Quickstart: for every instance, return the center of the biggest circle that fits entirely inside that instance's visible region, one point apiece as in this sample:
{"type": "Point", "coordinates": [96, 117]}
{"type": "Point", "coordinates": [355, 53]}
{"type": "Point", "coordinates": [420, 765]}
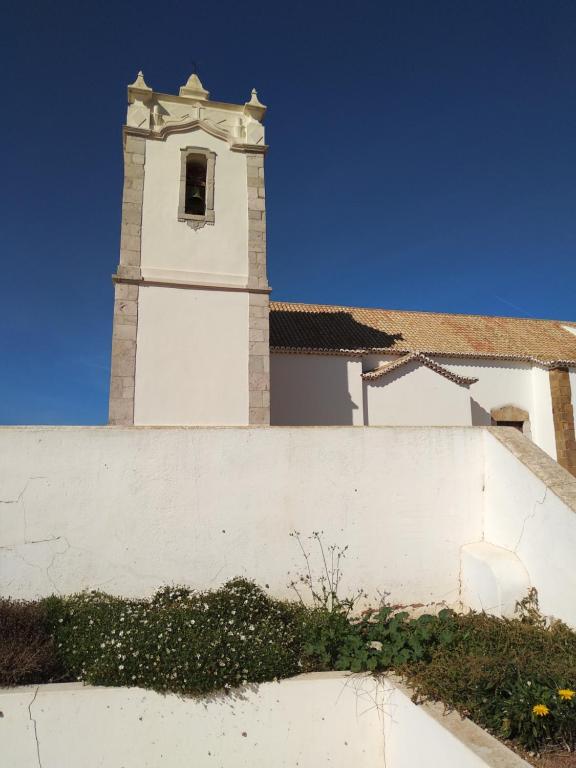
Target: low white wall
{"type": "Point", "coordinates": [427, 735]}
{"type": "Point", "coordinates": [308, 721]}
{"type": "Point", "coordinates": [529, 509]}
{"type": "Point", "coordinates": [128, 509]}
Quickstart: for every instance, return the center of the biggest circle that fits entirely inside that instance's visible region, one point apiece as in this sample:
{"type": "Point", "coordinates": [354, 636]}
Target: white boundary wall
{"type": "Point", "coordinates": [430, 515]}
{"type": "Point", "coordinates": [530, 510]}
{"type": "Point", "coordinates": [311, 720]}
{"type": "Point", "coordinates": [129, 509]}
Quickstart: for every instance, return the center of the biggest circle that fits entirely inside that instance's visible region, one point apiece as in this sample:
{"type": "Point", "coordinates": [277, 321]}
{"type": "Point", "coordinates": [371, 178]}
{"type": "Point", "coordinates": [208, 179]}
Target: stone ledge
{"type": "Point", "coordinates": [559, 480]}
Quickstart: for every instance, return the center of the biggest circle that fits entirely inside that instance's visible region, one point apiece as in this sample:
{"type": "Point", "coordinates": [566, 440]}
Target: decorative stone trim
{"type": "Point", "coordinates": [563, 416]}
{"type": "Point", "coordinates": [193, 220]}
{"type": "Point", "coordinates": [190, 125]}
{"type": "Point", "coordinates": [509, 413]}
{"type": "Point", "coordinates": [386, 368]}
{"type": "Point", "coordinates": [259, 323]}
{"type": "Point", "coordinates": [125, 325]}
{"type": "Point", "coordinates": [555, 477]}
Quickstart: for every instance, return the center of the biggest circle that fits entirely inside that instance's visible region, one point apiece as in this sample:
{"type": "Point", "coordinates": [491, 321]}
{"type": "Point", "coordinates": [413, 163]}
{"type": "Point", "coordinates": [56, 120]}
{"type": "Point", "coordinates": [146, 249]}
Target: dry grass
{"type": "Point", "coordinates": [26, 647]}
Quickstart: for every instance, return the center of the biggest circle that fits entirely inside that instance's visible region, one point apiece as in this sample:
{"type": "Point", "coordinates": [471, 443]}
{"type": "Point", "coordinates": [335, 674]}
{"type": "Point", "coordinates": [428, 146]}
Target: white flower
{"type": "Point", "coordinates": [376, 644]}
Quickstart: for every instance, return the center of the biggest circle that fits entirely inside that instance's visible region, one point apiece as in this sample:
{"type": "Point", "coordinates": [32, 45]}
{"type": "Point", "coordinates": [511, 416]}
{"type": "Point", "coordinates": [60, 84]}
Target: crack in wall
{"type": "Point", "coordinates": [33, 721]}
{"type": "Point", "coordinates": [529, 517]}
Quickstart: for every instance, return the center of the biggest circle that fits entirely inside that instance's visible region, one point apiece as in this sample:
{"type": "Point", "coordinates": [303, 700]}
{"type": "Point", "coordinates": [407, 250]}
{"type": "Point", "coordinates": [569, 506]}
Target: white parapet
{"type": "Point", "coordinates": [319, 719]}
{"type": "Point", "coordinates": [493, 579]}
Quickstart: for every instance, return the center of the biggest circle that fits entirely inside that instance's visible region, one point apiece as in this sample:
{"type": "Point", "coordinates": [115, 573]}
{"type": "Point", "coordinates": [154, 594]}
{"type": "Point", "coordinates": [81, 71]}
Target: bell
{"type": "Point", "coordinates": [195, 201]}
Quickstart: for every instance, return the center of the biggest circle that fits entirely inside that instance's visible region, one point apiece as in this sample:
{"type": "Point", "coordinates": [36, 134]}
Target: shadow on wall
{"type": "Point", "coordinates": [480, 416]}
{"type": "Point", "coordinates": [326, 330]}
{"type": "Point", "coordinates": [314, 389]}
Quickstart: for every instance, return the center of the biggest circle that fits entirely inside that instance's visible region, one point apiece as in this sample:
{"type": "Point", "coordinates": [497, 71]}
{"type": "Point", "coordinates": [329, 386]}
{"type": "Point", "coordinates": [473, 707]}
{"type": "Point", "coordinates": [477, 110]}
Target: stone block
{"type": "Point", "coordinates": [259, 416]}
{"type": "Point", "coordinates": [124, 307]}
{"type": "Point", "coordinates": [130, 243]}
{"type": "Point", "coordinates": [258, 381]}
{"type": "Point", "coordinates": [126, 291]}
{"type": "Point", "coordinates": [129, 258]}
{"type": "Point", "coordinates": [259, 348]}
{"type": "Point", "coordinates": [132, 171]}
{"type": "Point", "coordinates": [132, 196]}
{"type": "Point", "coordinates": [123, 331]}
{"type": "Point", "coordinates": [135, 144]}
{"type": "Point", "coordinates": [259, 204]}
{"type": "Point", "coordinates": [132, 213]}
{"type": "Point", "coordinates": [121, 411]}
{"type": "Point", "coordinates": [116, 387]}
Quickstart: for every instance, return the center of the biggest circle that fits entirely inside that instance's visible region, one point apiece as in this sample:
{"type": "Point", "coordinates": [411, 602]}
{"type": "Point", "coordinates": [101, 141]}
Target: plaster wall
{"type": "Point", "coordinates": [524, 514]}
{"type": "Point", "coordinates": [428, 735]}
{"type": "Point", "coordinates": [173, 250]}
{"type": "Point", "coordinates": [129, 509]}
{"type": "Point", "coordinates": [315, 390]}
{"type": "Point", "coordinates": [305, 721]}
{"type": "Point", "coordinates": [312, 720]}
{"type": "Point", "coordinates": [318, 389]}
{"type": "Point", "coordinates": [191, 357]}
{"type": "Point", "coordinates": [541, 417]}
{"type": "Point", "coordinates": [415, 395]}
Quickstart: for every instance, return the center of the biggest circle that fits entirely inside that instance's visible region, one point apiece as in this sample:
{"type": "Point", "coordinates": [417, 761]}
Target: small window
{"type": "Point", "coordinates": [196, 167]}
{"type": "Point", "coordinates": [519, 425]}
{"type": "Point", "coordinates": [196, 199]}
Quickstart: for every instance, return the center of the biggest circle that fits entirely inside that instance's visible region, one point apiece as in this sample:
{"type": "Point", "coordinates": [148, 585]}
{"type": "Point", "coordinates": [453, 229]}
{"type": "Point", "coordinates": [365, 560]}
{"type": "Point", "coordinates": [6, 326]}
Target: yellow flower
{"type": "Point", "coordinates": [540, 710]}
{"type": "Point", "coordinates": [566, 693]}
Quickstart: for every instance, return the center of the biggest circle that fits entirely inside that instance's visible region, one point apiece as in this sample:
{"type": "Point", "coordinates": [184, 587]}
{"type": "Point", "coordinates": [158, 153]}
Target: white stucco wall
{"type": "Point", "coordinates": [315, 390]}
{"type": "Point", "coordinates": [129, 509]}
{"type": "Point", "coordinates": [541, 418]}
{"type": "Point", "coordinates": [526, 517]}
{"type": "Point", "coordinates": [312, 720]}
{"type": "Point", "coordinates": [191, 357]}
{"type": "Point", "coordinates": [416, 395]}
{"type": "Point", "coordinates": [170, 248]}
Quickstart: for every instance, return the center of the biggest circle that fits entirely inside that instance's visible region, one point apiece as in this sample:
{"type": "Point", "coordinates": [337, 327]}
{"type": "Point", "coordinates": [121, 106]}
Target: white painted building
{"type": "Point", "coordinates": [194, 328]}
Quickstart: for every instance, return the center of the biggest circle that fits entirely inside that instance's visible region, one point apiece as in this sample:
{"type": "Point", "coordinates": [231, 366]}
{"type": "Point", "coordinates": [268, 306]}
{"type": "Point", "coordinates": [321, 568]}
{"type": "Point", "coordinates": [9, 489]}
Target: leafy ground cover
{"type": "Point", "coordinates": [515, 678]}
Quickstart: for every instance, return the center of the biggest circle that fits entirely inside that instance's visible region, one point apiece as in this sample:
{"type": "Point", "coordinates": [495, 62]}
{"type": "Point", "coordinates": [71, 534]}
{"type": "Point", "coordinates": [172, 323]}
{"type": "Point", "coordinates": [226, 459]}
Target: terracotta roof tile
{"type": "Point", "coordinates": [318, 328]}
{"type": "Point", "coordinates": [386, 368]}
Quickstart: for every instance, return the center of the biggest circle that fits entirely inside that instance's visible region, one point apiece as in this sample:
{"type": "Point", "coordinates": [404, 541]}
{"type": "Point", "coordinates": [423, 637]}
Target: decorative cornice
{"type": "Point", "coordinates": [386, 368]}
{"type": "Point", "coordinates": [546, 364]}
{"type": "Point", "coordinates": [195, 286]}
{"type": "Point", "coordinates": [192, 125]}
{"type": "Point", "coordinates": [253, 149]}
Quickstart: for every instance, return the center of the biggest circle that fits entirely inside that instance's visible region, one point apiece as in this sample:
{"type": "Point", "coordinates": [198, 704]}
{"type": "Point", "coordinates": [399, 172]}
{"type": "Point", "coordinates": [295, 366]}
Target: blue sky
{"type": "Point", "coordinates": [423, 156]}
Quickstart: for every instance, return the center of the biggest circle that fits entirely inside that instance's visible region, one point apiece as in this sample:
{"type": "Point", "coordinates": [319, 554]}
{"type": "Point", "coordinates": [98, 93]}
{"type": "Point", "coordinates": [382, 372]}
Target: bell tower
{"type": "Point", "coordinates": [190, 337]}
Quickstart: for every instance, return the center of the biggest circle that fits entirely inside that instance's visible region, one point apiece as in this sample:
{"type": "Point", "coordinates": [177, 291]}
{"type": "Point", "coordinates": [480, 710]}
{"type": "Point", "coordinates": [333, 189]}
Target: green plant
{"type": "Point", "coordinates": [497, 671]}
{"type": "Point", "coordinates": [183, 641]}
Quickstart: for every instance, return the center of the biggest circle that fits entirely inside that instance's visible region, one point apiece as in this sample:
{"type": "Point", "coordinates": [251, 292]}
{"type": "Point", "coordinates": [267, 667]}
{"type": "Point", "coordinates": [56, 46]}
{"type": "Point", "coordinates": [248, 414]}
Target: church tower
{"type": "Point", "coordinates": [190, 339]}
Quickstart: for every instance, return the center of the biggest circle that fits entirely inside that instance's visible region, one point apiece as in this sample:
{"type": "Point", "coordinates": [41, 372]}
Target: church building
{"type": "Point", "coordinates": [197, 341]}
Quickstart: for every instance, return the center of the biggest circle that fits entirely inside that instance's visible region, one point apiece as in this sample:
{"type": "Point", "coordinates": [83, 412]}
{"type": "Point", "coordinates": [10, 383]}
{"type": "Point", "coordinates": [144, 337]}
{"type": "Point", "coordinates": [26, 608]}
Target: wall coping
{"type": "Point", "coordinates": [561, 482]}
{"type": "Point", "coordinates": [492, 753]}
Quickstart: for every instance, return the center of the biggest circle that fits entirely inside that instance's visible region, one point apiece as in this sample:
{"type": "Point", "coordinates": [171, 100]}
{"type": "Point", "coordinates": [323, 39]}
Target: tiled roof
{"type": "Point", "coordinates": [326, 329]}
{"type": "Point", "coordinates": [386, 368]}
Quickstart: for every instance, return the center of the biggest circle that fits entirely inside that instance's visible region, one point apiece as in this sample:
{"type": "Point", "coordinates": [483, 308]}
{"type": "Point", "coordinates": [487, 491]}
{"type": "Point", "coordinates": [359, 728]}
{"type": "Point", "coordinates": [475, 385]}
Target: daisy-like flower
{"type": "Point", "coordinates": [566, 694]}
{"type": "Point", "coordinates": [540, 710]}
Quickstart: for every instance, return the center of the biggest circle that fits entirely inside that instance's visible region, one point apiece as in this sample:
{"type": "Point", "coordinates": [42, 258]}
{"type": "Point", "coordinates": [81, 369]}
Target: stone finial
{"type": "Point", "coordinates": [194, 88]}
{"type": "Point", "coordinates": [138, 89]}
{"type": "Point", "coordinates": [254, 107]}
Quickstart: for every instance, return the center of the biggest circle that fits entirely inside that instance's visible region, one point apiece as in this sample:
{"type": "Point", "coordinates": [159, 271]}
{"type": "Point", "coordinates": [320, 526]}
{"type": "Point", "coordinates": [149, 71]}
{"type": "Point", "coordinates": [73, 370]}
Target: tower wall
{"type": "Point", "coordinates": [190, 339]}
